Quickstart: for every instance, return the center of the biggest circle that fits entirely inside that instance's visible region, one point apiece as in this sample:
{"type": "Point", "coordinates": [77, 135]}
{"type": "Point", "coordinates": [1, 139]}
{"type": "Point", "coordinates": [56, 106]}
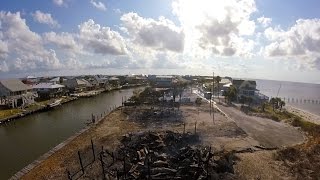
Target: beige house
{"type": "Point", "coordinates": [14, 93]}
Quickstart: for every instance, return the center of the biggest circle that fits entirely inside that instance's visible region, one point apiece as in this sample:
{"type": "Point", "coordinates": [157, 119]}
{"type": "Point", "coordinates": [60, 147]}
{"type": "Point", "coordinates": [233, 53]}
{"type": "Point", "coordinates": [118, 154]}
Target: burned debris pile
{"type": "Point", "coordinates": [166, 155]}
{"type": "Point", "coordinates": [154, 115]}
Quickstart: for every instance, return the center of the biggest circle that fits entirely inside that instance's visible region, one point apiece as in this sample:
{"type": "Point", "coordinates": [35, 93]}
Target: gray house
{"type": "Point", "coordinates": [14, 93]}
{"type": "Point", "coordinates": [49, 90]}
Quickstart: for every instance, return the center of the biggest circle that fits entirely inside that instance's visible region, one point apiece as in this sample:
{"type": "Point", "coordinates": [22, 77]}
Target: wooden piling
{"type": "Point", "coordinates": [80, 160]}
{"type": "Point", "coordinates": [92, 147]}
{"type": "Point", "coordinates": [69, 175]}
{"type": "Point", "coordinates": [102, 166]}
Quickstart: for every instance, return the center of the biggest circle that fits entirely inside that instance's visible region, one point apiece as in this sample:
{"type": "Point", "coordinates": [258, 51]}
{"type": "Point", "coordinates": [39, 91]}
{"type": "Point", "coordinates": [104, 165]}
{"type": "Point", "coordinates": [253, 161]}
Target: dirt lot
{"type": "Point", "coordinates": [222, 134]}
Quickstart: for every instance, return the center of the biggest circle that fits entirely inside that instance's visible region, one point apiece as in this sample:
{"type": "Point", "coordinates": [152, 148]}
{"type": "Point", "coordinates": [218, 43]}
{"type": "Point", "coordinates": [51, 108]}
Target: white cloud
{"type": "Point", "coordinates": [215, 27]}
{"type": "Point", "coordinates": [59, 2]}
{"type": "Point", "coordinates": [45, 18]}
{"type": "Point", "coordinates": [3, 49]}
{"type": "Point", "coordinates": [25, 50]}
{"type": "Point", "coordinates": [101, 40]}
{"type": "Point", "coordinates": [162, 34]}
{"type": "Point", "coordinates": [99, 5]}
{"type": "Point", "coordinates": [300, 42]}
{"type": "Point", "coordinates": [63, 40]}
{"type": "Point", "coordinates": [265, 22]}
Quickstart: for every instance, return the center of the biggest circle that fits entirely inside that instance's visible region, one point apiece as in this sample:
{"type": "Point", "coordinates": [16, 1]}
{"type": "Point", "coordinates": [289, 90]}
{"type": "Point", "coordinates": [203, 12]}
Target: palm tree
{"type": "Point", "coordinates": [218, 80]}
{"type": "Point", "coordinates": [263, 106]}
{"type": "Point", "coordinates": [281, 104]}
{"type": "Point", "coordinates": [231, 94]}
{"type": "Point", "coordinates": [273, 102]}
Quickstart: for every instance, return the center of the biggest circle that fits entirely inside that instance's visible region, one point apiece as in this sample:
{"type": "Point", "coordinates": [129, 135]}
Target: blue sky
{"type": "Point", "coordinates": [241, 38]}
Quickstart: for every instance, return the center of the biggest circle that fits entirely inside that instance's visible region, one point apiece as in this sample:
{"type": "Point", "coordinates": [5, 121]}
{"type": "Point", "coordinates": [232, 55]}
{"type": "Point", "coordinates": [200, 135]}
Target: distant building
{"type": "Point", "coordinates": [245, 87]}
{"type": "Point", "coordinates": [77, 85]}
{"type": "Point", "coordinates": [58, 80]}
{"type": "Point", "coordinates": [49, 90]}
{"type": "Point", "coordinates": [14, 93]}
{"type": "Point", "coordinates": [114, 81]}
{"type": "Point", "coordinates": [30, 80]}
{"type": "Point", "coordinates": [164, 81]}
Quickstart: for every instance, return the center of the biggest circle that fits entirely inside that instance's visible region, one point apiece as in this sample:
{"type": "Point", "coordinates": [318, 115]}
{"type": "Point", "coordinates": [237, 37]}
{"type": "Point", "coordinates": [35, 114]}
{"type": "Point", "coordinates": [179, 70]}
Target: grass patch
{"type": "Point", "coordinates": [9, 112]}
{"type": "Point", "coordinates": [309, 127]}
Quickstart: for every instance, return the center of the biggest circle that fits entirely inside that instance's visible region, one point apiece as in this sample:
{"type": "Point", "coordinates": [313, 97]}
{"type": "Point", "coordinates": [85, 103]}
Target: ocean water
{"type": "Point", "coordinates": [304, 96]}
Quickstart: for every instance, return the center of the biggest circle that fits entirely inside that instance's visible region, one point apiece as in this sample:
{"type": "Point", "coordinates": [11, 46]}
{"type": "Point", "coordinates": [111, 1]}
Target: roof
{"type": "Point", "coordinates": [165, 77]}
{"type": "Point", "coordinates": [57, 79]}
{"type": "Point", "coordinates": [238, 83]}
{"type": "Point", "coordinates": [14, 85]}
{"type": "Point", "coordinates": [113, 79]}
{"type": "Point", "coordinates": [31, 77]}
{"type": "Point", "coordinates": [225, 81]}
{"type": "Point", "coordinates": [47, 86]}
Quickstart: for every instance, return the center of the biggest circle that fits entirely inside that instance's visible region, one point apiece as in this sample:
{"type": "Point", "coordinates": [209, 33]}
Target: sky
{"type": "Point", "coordinates": [256, 39]}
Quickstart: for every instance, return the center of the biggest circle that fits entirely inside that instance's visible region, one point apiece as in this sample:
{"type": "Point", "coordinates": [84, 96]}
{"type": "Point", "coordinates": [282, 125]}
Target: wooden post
{"type": "Point", "coordinates": [124, 167]}
{"type": "Point", "coordinates": [148, 164]}
{"type": "Point", "coordinates": [195, 128]}
{"type": "Point", "coordinates": [118, 176]}
{"type": "Point", "coordinates": [184, 128]}
{"type": "Point", "coordinates": [69, 175]}
{"type": "Point", "coordinates": [102, 166]}
{"type": "Point", "coordinates": [80, 160]}
{"type": "Point", "coordinates": [92, 147]}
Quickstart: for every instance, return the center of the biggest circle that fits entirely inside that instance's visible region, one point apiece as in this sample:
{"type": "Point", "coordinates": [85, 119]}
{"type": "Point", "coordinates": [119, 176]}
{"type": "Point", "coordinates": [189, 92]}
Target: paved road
{"type": "Point", "coordinates": [267, 132]}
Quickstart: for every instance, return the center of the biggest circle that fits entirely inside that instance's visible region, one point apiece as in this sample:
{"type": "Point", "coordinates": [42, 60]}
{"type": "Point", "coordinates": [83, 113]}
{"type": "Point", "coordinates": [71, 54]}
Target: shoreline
{"type": "Point", "coordinates": [15, 117]}
{"type": "Point", "coordinates": [306, 115]}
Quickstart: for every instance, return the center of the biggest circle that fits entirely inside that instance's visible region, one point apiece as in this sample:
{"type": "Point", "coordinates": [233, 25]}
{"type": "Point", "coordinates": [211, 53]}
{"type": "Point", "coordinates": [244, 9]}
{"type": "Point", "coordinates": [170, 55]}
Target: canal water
{"type": "Point", "coordinates": [24, 140]}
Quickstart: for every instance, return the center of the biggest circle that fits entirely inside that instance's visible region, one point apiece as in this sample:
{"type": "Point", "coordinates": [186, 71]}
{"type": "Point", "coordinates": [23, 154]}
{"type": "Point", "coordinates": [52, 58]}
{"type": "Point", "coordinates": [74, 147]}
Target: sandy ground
{"type": "Point", "coordinates": [268, 133]}
{"type": "Point", "coordinates": [221, 134]}
{"type": "Point", "coordinates": [260, 165]}
{"type": "Point", "coordinates": [304, 114]}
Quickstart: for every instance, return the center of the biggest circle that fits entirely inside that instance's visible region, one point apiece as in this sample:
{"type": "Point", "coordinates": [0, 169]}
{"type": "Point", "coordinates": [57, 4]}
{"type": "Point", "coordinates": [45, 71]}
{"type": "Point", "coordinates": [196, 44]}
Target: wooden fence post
{"type": "Point", "coordinates": [92, 147]}
{"type": "Point", "coordinates": [69, 175]}
{"type": "Point", "coordinates": [195, 128]}
{"type": "Point", "coordinates": [80, 160]}
{"type": "Point", "coordinates": [102, 166]}
{"type": "Point", "coordinates": [124, 167]}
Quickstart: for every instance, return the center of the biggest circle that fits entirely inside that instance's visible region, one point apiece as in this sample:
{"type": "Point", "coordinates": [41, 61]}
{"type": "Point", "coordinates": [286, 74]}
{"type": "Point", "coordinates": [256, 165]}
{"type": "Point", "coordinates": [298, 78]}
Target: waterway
{"type": "Point", "coordinates": [26, 139]}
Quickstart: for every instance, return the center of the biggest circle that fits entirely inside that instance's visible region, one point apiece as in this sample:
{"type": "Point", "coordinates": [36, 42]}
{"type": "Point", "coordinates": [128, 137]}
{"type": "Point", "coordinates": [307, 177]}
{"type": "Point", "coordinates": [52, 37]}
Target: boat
{"type": "Point", "coordinates": [54, 104]}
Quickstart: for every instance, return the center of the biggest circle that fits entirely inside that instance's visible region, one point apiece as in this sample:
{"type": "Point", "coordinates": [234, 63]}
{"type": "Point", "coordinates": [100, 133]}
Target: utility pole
{"type": "Point", "coordinates": [212, 97]}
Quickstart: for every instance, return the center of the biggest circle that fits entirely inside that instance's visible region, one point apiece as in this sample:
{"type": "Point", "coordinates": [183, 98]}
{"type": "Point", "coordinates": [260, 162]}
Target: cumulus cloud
{"type": "Point", "coordinates": [63, 40]}
{"type": "Point", "coordinates": [45, 18]}
{"type": "Point", "coordinates": [59, 2]}
{"type": "Point", "coordinates": [265, 22]}
{"type": "Point", "coordinates": [217, 27]}
{"type": "Point", "coordinates": [160, 34]}
{"type": "Point", "coordinates": [99, 5]}
{"type": "Point", "coordinates": [24, 47]}
{"type": "Point", "coordinates": [101, 40]}
{"type": "Point", "coordinates": [3, 49]}
{"type": "Point", "coordinates": [301, 41]}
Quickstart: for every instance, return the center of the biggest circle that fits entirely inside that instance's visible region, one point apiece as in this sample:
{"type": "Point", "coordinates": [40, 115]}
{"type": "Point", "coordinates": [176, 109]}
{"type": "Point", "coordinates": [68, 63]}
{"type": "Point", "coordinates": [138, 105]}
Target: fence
{"type": "Point", "coordinates": [300, 100]}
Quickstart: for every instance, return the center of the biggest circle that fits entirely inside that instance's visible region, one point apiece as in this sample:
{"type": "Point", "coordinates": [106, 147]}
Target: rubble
{"type": "Point", "coordinates": [166, 155]}
{"type": "Point", "coordinates": [152, 115]}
